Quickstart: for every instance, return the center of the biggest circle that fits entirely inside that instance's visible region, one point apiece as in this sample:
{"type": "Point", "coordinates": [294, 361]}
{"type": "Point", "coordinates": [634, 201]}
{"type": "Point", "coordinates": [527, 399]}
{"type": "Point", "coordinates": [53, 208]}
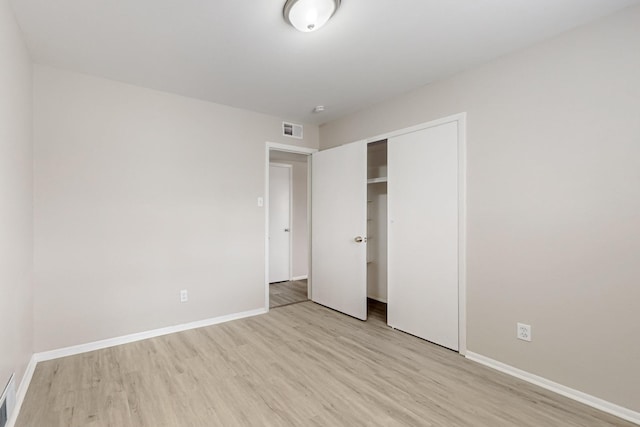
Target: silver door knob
{"type": "Point", "coordinates": [358, 239]}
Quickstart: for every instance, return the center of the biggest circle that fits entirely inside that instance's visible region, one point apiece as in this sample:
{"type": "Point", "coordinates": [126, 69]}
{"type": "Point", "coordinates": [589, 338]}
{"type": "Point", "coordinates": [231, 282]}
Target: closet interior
{"type": "Point", "coordinates": [377, 221]}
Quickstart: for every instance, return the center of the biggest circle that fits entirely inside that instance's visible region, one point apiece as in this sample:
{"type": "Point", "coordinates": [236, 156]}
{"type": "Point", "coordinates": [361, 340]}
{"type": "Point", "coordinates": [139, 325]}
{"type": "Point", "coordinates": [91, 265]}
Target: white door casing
{"type": "Point", "coordinates": [269, 147]}
{"type": "Point", "coordinates": [339, 200]}
{"type": "Point", "coordinates": [279, 222]}
{"type": "Point", "coordinates": [423, 234]}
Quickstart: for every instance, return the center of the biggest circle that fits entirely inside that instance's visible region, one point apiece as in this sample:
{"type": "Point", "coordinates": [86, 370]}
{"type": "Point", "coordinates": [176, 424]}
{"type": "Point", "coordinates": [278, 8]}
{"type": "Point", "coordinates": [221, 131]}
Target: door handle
{"type": "Point", "coordinates": [286, 230]}
{"type": "Point", "coordinates": [359, 239]}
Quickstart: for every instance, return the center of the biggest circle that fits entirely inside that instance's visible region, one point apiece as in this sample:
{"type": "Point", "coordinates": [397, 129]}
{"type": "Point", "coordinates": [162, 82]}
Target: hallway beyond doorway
{"type": "Point", "coordinates": [286, 293]}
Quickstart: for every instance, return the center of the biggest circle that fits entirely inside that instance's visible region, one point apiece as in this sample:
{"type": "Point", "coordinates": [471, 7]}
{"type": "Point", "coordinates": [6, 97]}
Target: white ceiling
{"type": "Point", "coordinates": [242, 53]}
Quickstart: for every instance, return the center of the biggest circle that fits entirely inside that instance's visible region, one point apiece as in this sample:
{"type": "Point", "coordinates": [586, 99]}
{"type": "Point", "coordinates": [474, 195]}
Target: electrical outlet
{"type": "Point", "coordinates": [184, 295]}
{"type": "Point", "coordinates": [523, 332]}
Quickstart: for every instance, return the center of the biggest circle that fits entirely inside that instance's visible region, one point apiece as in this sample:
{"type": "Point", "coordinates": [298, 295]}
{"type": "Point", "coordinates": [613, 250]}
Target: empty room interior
{"type": "Point", "coordinates": [319, 212]}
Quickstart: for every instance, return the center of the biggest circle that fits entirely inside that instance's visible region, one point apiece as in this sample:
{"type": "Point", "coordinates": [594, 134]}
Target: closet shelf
{"type": "Point", "coordinates": [377, 180]}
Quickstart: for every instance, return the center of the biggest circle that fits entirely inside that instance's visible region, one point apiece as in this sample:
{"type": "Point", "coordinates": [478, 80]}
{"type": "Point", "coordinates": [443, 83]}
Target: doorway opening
{"type": "Point", "coordinates": [287, 213]}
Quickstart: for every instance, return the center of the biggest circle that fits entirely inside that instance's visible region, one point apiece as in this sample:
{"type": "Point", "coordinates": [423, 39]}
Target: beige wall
{"type": "Point", "coordinates": [553, 201]}
{"type": "Point", "coordinates": [16, 201]}
{"type": "Point", "coordinates": [139, 194]}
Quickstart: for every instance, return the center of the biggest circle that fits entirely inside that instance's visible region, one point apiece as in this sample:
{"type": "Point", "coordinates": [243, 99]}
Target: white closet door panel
{"type": "Point", "coordinates": [339, 215]}
{"type": "Point", "coordinates": [279, 223]}
{"type": "Point", "coordinates": [423, 234]}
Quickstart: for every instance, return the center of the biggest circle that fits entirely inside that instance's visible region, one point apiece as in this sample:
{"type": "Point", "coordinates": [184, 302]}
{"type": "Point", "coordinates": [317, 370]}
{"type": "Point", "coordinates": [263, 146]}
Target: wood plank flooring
{"type": "Point", "coordinates": [299, 365]}
{"type": "Point", "coordinates": [284, 293]}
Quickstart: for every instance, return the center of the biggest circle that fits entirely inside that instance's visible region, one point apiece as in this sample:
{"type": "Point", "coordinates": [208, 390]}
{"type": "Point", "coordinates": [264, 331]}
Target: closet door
{"type": "Point", "coordinates": [339, 225]}
{"type": "Point", "coordinates": [423, 234]}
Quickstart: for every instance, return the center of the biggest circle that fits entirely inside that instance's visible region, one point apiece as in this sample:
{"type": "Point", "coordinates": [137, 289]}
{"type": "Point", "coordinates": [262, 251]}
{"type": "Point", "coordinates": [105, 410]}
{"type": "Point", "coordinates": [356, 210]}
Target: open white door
{"type": "Point", "coordinates": [279, 223]}
{"type": "Point", "coordinates": [423, 234]}
{"type": "Point", "coordinates": [339, 226]}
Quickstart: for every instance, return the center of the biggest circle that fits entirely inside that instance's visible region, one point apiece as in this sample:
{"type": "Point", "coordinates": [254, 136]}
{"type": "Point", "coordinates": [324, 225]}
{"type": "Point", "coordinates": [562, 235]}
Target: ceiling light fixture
{"type": "Point", "coordinates": [309, 15]}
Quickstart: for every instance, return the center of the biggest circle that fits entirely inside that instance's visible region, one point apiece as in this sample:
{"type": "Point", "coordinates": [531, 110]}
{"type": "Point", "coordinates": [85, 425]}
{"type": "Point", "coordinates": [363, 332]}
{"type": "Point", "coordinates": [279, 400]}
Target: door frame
{"type": "Point", "coordinates": [273, 146]}
{"type": "Point", "coordinates": [461, 120]}
{"type": "Point", "coordinates": [268, 205]}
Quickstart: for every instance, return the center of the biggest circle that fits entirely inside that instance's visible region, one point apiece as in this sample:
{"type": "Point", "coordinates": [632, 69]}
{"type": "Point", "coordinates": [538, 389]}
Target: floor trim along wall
{"type": "Point", "coordinates": [22, 391]}
{"type": "Point", "coordinates": [293, 279]}
{"type": "Point", "coordinates": [111, 342]}
{"type": "Point", "coordinates": [581, 397]}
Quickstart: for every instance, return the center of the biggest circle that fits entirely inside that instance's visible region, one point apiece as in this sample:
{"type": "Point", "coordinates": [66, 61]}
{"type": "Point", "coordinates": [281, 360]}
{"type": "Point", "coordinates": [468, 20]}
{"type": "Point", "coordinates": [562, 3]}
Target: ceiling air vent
{"type": "Point", "coordinates": [292, 130]}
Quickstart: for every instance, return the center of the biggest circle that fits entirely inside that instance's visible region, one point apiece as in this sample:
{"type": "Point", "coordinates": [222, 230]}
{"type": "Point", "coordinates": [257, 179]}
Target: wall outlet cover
{"type": "Point", "coordinates": [523, 332]}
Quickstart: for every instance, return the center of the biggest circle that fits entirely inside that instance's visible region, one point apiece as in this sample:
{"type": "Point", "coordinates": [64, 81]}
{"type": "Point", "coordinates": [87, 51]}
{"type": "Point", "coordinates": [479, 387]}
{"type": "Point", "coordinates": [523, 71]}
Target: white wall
{"type": "Point", "coordinates": [16, 201]}
{"type": "Point", "coordinates": [139, 194]}
{"type": "Point", "coordinates": [553, 201]}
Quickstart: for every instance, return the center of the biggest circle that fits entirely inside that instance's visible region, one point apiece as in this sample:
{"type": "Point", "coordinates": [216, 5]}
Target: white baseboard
{"type": "Point", "coordinates": [594, 402]}
{"type": "Point", "coordinates": [8, 396]}
{"type": "Point", "coordinates": [22, 391]}
{"type": "Point", "coordinates": [126, 339]}
{"type": "Point", "coordinates": [293, 279]}
{"type": "Point", "coordinates": [111, 342]}
{"type": "Point", "coordinates": [377, 299]}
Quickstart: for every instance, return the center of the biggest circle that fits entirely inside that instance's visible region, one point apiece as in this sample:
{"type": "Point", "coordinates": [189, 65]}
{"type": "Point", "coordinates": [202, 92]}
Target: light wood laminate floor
{"type": "Point", "coordinates": [285, 293]}
{"type": "Point", "coordinates": [299, 365]}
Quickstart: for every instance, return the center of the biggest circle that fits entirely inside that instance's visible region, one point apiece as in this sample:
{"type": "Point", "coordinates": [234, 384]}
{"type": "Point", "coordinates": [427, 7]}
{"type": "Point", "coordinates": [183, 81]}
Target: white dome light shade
{"type": "Point", "coordinates": [309, 15]}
